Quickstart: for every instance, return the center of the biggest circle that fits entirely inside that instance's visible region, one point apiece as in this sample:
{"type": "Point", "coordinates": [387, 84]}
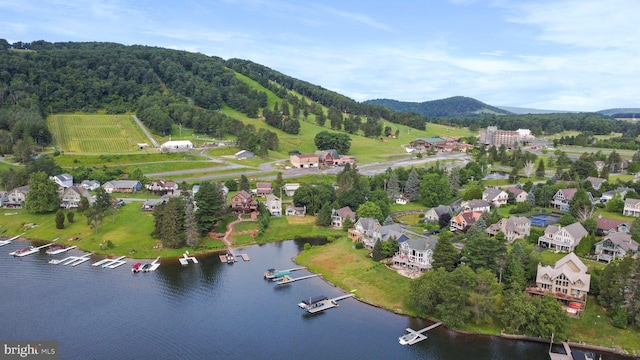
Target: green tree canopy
{"type": "Point", "coordinates": [43, 194]}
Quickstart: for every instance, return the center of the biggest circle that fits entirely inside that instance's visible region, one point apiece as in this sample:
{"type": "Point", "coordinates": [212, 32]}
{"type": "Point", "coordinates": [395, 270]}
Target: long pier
{"type": "Point", "coordinates": [60, 251]}
{"type": "Point", "coordinates": [287, 280]}
{"type": "Point", "coordinates": [329, 304]}
{"type": "Point", "coordinates": [416, 336]}
{"type": "Point", "coordinates": [8, 241]}
{"type": "Point", "coordinates": [31, 250]}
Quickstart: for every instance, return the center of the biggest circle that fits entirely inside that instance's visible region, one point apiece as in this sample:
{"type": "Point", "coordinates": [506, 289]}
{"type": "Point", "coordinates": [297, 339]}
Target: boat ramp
{"type": "Point", "coordinates": [8, 241]}
{"type": "Point", "coordinates": [275, 275]}
{"type": "Point", "coordinates": [322, 303]}
{"type": "Point", "coordinates": [184, 260]}
{"type": "Point", "coordinates": [110, 263]}
{"type": "Point", "coordinates": [416, 336]}
{"type": "Point", "coordinates": [28, 251]}
{"type": "Point", "coordinates": [288, 280]}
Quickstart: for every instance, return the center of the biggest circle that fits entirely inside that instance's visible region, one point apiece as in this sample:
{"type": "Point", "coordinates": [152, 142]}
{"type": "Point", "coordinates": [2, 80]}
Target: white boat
{"type": "Point", "coordinates": [407, 339]}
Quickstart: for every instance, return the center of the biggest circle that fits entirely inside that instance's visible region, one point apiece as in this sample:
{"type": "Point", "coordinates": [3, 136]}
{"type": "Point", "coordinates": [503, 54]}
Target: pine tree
{"type": "Point", "coordinates": [393, 187]}
{"type": "Point", "coordinates": [412, 187]}
{"type": "Point", "coordinates": [377, 254]}
{"type": "Point", "coordinates": [244, 184]}
{"type": "Point", "coordinates": [445, 254]}
{"type": "Point", "coordinates": [190, 223]}
{"type": "Point", "coordinates": [540, 171]}
{"type": "Point", "coordinates": [324, 216]}
{"type": "Point", "coordinates": [212, 206]}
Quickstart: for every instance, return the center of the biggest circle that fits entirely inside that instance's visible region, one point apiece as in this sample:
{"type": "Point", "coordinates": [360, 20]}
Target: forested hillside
{"type": "Point", "coordinates": [456, 106]}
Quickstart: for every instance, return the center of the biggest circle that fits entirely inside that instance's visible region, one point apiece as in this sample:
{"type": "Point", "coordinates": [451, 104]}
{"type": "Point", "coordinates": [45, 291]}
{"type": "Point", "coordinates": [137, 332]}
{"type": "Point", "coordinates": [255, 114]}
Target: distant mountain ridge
{"type": "Point", "coordinates": [621, 112]}
{"type": "Point", "coordinates": [456, 106]}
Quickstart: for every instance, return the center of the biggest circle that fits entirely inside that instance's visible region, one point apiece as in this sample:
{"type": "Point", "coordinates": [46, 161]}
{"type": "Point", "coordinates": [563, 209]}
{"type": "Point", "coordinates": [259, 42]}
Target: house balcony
{"type": "Point", "coordinates": [558, 295]}
{"type": "Point", "coordinates": [406, 261]}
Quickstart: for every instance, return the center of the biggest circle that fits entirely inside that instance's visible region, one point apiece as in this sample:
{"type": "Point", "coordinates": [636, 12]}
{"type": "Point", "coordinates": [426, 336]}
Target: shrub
{"type": "Point", "coordinates": [359, 245]}
{"type": "Point", "coordinates": [307, 246]}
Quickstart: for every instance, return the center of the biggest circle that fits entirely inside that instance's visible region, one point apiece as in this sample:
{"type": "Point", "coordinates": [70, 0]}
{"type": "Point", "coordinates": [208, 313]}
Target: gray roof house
{"type": "Point", "coordinates": [476, 205]}
{"type": "Point", "coordinates": [64, 180]}
{"type": "Point", "coordinates": [631, 207]}
{"type": "Point", "coordinates": [515, 227]}
{"type": "Point", "coordinates": [497, 197]}
{"type": "Point", "coordinates": [369, 231]}
{"type": "Point", "coordinates": [616, 246]}
{"type": "Point", "coordinates": [415, 253]}
{"type": "Point", "coordinates": [338, 216]}
{"type": "Point", "coordinates": [127, 186]}
{"type": "Point", "coordinates": [434, 213]}
{"type": "Point", "coordinates": [562, 238]}
{"type": "Point", "coordinates": [90, 184]}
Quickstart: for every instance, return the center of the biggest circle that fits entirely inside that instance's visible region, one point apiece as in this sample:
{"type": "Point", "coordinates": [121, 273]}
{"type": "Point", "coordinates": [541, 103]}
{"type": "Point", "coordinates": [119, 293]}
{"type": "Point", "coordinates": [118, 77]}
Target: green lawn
{"type": "Point", "coordinates": [72, 160]}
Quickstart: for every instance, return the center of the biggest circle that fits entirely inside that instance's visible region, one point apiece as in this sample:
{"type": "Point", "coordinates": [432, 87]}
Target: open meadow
{"type": "Point", "coordinates": [95, 133]}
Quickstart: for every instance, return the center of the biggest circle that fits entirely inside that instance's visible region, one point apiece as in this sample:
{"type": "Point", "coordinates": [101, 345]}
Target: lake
{"type": "Point", "coordinates": [212, 310]}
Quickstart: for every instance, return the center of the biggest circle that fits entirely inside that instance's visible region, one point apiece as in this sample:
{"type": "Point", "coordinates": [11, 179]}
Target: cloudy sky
{"type": "Point", "coordinates": [546, 54]}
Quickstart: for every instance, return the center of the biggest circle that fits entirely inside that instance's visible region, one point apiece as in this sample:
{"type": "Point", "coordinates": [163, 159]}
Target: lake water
{"type": "Point", "coordinates": [212, 310]}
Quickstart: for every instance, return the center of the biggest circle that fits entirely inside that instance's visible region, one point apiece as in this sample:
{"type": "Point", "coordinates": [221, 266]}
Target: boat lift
{"type": "Point", "coordinates": [319, 305]}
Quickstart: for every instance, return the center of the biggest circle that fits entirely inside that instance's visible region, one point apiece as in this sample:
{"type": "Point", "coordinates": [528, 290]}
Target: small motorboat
{"type": "Point", "coordinates": [407, 339]}
{"type": "Point", "coordinates": [54, 249]}
{"type": "Point", "coordinates": [137, 267]}
{"type": "Point", "coordinates": [230, 259]}
{"type": "Point", "coordinates": [22, 251]}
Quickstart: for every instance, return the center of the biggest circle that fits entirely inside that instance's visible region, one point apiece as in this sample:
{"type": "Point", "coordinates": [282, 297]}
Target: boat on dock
{"type": "Point", "coordinates": [416, 336]}
{"type": "Point", "coordinates": [136, 268]}
{"type": "Point", "coordinates": [321, 303]}
{"type": "Point", "coordinates": [8, 241]}
{"type": "Point", "coordinates": [146, 267]}
{"type": "Point", "coordinates": [313, 302]}
{"type": "Point", "coordinates": [59, 249]}
{"type": "Point", "coordinates": [184, 260]}
{"type": "Point", "coordinates": [230, 258]}
{"type": "Point", "coordinates": [272, 274]}
{"type": "Point", "coordinates": [570, 354]}
{"type": "Point", "coordinates": [28, 250]}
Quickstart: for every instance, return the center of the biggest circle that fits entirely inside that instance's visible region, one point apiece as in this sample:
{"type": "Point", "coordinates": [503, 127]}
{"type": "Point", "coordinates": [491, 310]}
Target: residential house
{"type": "Point", "coordinates": [17, 197]}
{"type": "Point", "coordinates": [606, 196]}
{"type": "Point", "coordinates": [296, 210]}
{"type": "Point", "coordinates": [402, 200]}
{"type": "Point", "coordinates": [162, 187]}
{"type": "Point", "coordinates": [562, 198]}
{"type": "Point", "coordinates": [631, 207]}
{"type": "Point", "coordinates": [596, 182]}
{"type": "Point", "coordinates": [616, 246]}
{"type": "Point", "coordinates": [63, 180]}
{"type": "Point", "coordinates": [122, 186]}
{"type": "Point", "coordinates": [495, 196]}
{"type": "Point", "coordinates": [434, 213]}
{"type": "Point", "coordinates": [150, 204]}
{"type": "Point", "coordinates": [340, 215]}
{"type": "Point", "coordinates": [519, 194]}
{"type": "Point", "coordinates": [476, 205]}
{"type": "Point", "coordinates": [72, 196]}
{"type": "Point", "coordinates": [608, 226]}
{"type": "Point", "coordinates": [514, 227]}
{"type": "Point", "coordinates": [599, 165]}
{"type": "Point", "coordinates": [243, 203]}
{"type": "Point", "coordinates": [562, 238]}
{"type": "Point", "coordinates": [274, 205]}
{"type": "Point", "coordinates": [244, 154]}
{"type": "Point", "coordinates": [364, 229]}
{"type": "Point", "coordinates": [464, 220]}
{"type": "Point", "coordinates": [567, 281]}
{"type": "Point", "coordinates": [263, 189]}
{"type": "Point", "coordinates": [415, 253]}
{"type": "Point", "coordinates": [290, 189]}
{"type": "Point", "coordinates": [303, 161]}
{"type": "Point", "coordinates": [90, 184]}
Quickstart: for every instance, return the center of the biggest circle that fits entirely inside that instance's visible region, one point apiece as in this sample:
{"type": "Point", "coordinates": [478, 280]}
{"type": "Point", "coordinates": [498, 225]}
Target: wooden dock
{"type": "Point", "coordinates": [287, 280]}
{"type": "Point", "coordinates": [416, 336]}
{"type": "Point", "coordinates": [184, 260]}
{"type": "Point", "coordinates": [329, 304]}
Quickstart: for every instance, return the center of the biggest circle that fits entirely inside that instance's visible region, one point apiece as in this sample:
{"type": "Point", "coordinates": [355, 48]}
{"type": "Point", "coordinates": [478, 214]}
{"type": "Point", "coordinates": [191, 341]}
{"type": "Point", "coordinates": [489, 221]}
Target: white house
{"type": "Point", "coordinates": [616, 246]}
{"type": "Point", "coordinates": [177, 145]}
{"type": "Point", "coordinates": [274, 205]}
{"type": "Point", "coordinates": [495, 196]}
{"type": "Point", "coordinates": [17, 197]}
{"type": "Point", "coordinates": [631, 207]}
{"type": "Point", "coordinates": [520, 195]}
{"type": "Point", "coordinates": [434, 214]}
{"type": "Point", "coordinates": [476, 205]}
{"type": "Point", "coordinates": [90, 184]}
{"type": "Point", "coordinates": [562, 238]}
{"type": "Point", "coordinates": [339, 216]}
{"type": "Point", "coordinates": [290, 188]}
{"type": "Point", "coordinates": [64, 180]}
{"type": "Point", "coordinates": [415, 253]}
{"type": "Point", "coordinates": [72, 195]}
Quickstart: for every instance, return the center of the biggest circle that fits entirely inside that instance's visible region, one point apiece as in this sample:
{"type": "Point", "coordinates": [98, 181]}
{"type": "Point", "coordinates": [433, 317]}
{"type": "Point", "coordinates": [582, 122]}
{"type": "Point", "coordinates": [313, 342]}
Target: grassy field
{"type": "Point", "coordinates": [95, 133]}
{"type": "Point", "coordinates": [351, 269]}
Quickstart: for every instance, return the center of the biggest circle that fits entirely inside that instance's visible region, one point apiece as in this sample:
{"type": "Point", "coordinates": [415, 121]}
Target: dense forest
{"type": "Point", "coordinates": [457, 106]}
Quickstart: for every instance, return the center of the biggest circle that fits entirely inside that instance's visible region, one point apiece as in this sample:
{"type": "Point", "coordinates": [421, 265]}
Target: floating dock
{"type": "Point", "coordinates": [71, 260]}
{"type": "Point", "coordinates": [287, 280]}
{"type": "Point", "coordinates": [318, 305]}
{"type": "Point", "coordinates": [8, 241]}
{"type": "Point", "coordinates": [28, 251]}
{"type": "Point", "coordinates": [416, 336]}
{"type": "Point", "coordinates": [80, 260]}
{"type": "Point", "coordinates": [114, 263]}
{"type": "Point", "coordinates": [153, 266]}
{"type": "Point", "coordinates": [184, 260]}
{"type": "Point", "coordinates": [271, 274]}
{"type": "Point", "coordinates": [53, 251]}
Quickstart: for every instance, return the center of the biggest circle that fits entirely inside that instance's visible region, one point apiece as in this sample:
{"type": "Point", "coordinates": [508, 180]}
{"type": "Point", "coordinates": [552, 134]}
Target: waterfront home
{"type": "Point", "coordinates": [519, 194]}
{"type": "Point", "coordinates": [151, 204]}
{"type": "Point", "coordinates": [616, 246]}
{"type": "Point", "coordinates": [495, 196]}
{"type": "Point", "coordinates": [290, 188]}
{"type": "Point", "coordinates": [122, 186]}
{"type": "Point", "coordinates": [243, 203]}
{"type": "Point", "coordinates": [304, 161]}
{"type": "Point", "coordinates": [162, 187]}
{"type": "Point", "coordinates": [434, 213]}
{"type": "Point", "coordinates": [631, 207]}
{"type": "Point", "coordinates": [340, 215]}
{"type": "Point", "coordinates": [274, 205]}
{"type": "Point", "coordinates": [63, 180]}
{"type": "Point", "coordinates": [295, 210]}
{"type": "Point", "coordinates": [608, 226]}
{"type": "Point", "coordinates": [567, 281]}
{"type": "Point", "coordinates": [263, 188]}
{"type": "Point", "coordinates": [364, 229]}
{"type": "Point", "coordinates": [606, 196]}
{"type": "Point", "coordinates": [562, 238]}
{"type": "Point", "coordinates": [464, 220]}
{"type": "Point", "coordinates": [562, 198]}
{"type": "Point", "coordinates": [72, 195]}
{"type": "Point", "coordinates": [476, 205]}
{"type": "Point", "coordinates": [90, 184]}
{"type": "Point", "coordinates": [515, 227]}
{"type": "Point", "coordinates": [415, 253]}
{"type": "Point", "coordinates": [16, 198]}
{"type": "Point", "coordinates": [596, 182]}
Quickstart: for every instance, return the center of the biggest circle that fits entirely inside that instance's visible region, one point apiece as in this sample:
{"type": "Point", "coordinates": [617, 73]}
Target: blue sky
{"type": "Point", "coordinates": [546, 54]}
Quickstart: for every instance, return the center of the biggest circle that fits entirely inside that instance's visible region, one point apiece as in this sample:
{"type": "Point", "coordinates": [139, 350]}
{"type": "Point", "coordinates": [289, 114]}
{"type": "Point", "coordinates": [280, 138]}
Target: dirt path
{"type": "Point", "coordinates": [230, 225]}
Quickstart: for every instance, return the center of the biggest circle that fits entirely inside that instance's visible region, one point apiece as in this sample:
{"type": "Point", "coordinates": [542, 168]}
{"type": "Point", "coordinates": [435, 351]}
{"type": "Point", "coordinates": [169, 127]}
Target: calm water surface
{"type": "Point", "coordinates": [211, 310]}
